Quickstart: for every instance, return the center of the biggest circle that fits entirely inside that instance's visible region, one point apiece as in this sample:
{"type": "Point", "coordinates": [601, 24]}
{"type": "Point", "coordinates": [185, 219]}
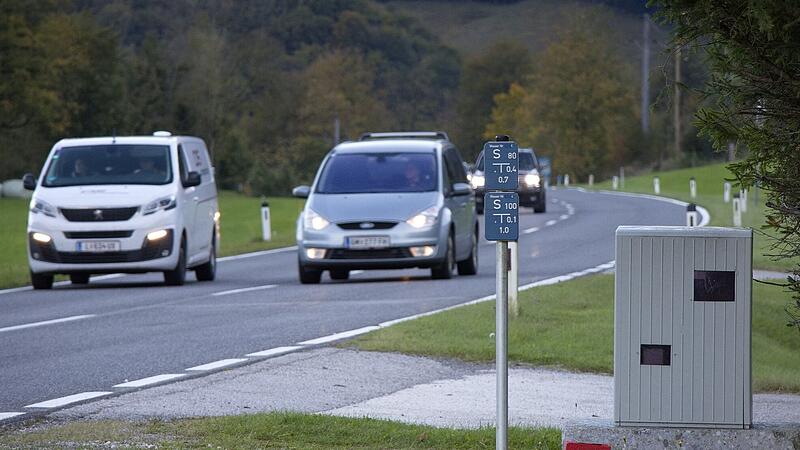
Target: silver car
{"type": "Point", "coordinates": [389, 201]}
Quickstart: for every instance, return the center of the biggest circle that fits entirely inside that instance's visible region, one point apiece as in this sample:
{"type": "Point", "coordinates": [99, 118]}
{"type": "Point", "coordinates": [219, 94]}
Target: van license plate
{"type": "Point", "coordinates": [366, 242]}
{"type": "Point", "coordinates": [97, 246]}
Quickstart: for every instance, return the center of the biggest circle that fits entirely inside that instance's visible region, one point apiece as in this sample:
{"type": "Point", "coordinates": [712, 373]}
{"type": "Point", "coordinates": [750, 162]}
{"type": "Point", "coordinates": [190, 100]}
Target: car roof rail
{"type": "Point", "coordinates": [439, 135]}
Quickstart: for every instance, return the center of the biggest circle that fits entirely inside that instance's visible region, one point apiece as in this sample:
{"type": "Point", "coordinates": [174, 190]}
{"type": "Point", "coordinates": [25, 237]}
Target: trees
{"type": "Point", "coordinates": [579, 106]}
{"type": "Point", "coordinates": [753, 49]}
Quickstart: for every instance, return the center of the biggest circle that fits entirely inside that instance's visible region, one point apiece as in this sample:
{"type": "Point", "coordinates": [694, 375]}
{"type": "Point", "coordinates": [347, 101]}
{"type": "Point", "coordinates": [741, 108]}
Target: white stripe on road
{"type": "Point", "coordinates": [550, 222]}
{"type": "Point", "coordinates": [337, 336]}
{"type": "Point", "coordinates": [237, 291]}
{"type": "Point", "coordinates": [8, 415]}
{"type": "Point", "coordinates": [46, 322]}
{"type": "Point", "coordinates": [218, 364]}
{"type": "Point", "coordinates": [705, 217]}
{"type": "Point", "coordinates": [356, 272]}
{"type": "Point", "coordinates": [563, 217]}
{"type": "Point", "coordinates": [258, 253]}
{"type": "Point", "coordinates": [150, 380]}
{"type": "Point", "coordinates": [58, 402]}
{"type": "Point", "coordinates": [531, 230]}
{"type": "Point", "coordinates": [276, 351]}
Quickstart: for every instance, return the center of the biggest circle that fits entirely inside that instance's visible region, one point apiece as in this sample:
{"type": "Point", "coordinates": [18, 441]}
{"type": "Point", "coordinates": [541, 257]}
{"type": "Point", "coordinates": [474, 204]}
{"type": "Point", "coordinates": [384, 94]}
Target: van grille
{"type": "Point", "coordinates": [99, 214]}
{"type": "Point", "coordinates": [98, 234]}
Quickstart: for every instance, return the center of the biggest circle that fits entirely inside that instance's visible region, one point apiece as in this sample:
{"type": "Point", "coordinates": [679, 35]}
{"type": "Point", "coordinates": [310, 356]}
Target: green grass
{"type": "Point", "coordinates": [710, 178]}
{"type": "Point", "coordinates": [570, 325]}
{"type": "Point", "coordinates": [275, 430]}
{"type": "Point", "coordinates": [240, 230]}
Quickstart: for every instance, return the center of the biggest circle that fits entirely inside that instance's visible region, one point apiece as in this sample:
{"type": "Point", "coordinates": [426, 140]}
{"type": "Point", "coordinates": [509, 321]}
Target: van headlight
{"type": "Point", "coordinates": [163, 203]}
{"type": "Point", "coordinates": [477, 181]}
{"type": "Point", "coordinates": [41, 206]}
{"type": "Point", "coordinates": [425, 218]}
{"type": "Point", "coordinates": [313, 221]}
{"type": "Point", "coordinates": [532, 180]}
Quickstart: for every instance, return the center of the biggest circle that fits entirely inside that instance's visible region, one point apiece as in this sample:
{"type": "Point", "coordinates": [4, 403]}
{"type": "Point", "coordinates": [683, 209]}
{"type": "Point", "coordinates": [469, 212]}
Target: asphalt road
{"type": "Point", "coordinates": [132, 327]}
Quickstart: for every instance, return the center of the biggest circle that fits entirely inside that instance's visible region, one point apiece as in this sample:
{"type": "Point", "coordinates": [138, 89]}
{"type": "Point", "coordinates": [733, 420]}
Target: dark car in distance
{"type": "Point", "coordinates": [531, 189]}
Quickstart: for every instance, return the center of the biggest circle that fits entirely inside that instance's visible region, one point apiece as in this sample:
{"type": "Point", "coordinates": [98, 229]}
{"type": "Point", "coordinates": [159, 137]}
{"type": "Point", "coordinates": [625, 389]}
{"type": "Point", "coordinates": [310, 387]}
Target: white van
{"type": "Point", "coordinates": [123, 205]}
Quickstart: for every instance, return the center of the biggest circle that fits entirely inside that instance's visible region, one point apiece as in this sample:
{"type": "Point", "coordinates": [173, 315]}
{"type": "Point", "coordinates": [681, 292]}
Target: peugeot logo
{"type": "Point", "coordinates": [366, 225]}
{"type": "Point", "coordinates": [98, 214]}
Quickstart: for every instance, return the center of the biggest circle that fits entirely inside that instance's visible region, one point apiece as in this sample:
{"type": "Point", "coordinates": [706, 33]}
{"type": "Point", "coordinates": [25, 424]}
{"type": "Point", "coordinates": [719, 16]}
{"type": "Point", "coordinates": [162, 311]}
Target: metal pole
{"type": "Point", "coordinates": [513, 279]}
{"type": "Point", "coordinates": [501, 345]}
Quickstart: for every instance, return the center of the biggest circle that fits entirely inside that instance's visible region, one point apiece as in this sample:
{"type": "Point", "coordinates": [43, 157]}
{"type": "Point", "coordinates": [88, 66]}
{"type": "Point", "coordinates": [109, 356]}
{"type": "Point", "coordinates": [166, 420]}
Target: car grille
{"type": "Point", "coordinates": [382, 253]}
{"type": "Point", "coordinates": [375, 225]}
{"type": "Point", "coordinates": [98, 234]}
{"type": "Point", "coordinates": [99, 214]}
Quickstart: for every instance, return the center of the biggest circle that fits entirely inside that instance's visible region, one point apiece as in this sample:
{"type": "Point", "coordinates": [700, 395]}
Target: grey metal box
{"type": "Point", "coordinates": [682, 319]}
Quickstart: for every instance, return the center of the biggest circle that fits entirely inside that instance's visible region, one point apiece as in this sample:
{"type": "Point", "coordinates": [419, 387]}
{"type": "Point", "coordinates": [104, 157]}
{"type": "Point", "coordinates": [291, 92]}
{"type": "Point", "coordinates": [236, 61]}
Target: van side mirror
{"type": "Point", "coordinates": [28, 181]}
{"type": "Point", "coordinates": [192, 179]}
{"type": "Point", "coordinates": [462, 189]}
{"type": "Point", "coordinates": [301, 191]}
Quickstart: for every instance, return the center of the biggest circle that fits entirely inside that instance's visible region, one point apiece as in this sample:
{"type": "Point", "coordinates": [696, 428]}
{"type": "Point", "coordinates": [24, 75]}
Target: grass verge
{"type": "Point", "coordinates": [274, 430]}
{"type": "Point", "coordinates": [570, 325]}
{"type": "Point", "coordinates": [710, 179]}
{"type": "Point", "coordinates": [240, 222]}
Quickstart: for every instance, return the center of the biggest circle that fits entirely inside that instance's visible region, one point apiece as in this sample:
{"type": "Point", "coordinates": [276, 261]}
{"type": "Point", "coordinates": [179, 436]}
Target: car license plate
{"type": "Point", "coordinates": [97, 246]}
{"type": "Point", "coordinates": [365, 242]}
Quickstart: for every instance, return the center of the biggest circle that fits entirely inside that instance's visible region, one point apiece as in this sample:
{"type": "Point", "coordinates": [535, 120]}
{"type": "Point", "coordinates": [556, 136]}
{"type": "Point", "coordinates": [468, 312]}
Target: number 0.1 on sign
{"type": "Point", "coordinates": [501, 214]}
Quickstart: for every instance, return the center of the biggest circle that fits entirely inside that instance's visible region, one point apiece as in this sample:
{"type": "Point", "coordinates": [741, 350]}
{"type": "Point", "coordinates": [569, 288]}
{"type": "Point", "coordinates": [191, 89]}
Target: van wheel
{"type": "Point", "coordinates": [41, 281]}
{"type": "Point", "coordinates": [208, 271]}
{"type": "Point", "coordinates": [177, 276]}
{"type": "Point", "coordinates": [79, 278]}
{"type": "Point", "coordinates": [308, 275]}
{"type": "Point", "coordinates": [469, 266]}
{"type": "Point", "coordinates": [339, 274]}
{"type": "Point", "coordinates": [541, 205]}
{"type": "Point", "coordinates": [444, 271]}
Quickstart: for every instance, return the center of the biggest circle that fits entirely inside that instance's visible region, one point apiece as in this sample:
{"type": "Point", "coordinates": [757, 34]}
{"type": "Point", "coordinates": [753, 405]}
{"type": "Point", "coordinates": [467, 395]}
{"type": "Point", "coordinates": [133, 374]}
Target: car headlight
{"type": "Point", "coordinates": [41, 206]}
{"type": "Point", "coordinates": [163, 203]}
{"type": "Point", "coordinates": [313, 221]}
{"type": "Point", "coordinates": [532, 179]}
{"type": "Point", "coordinates": [425, 218]}
{"type": "Point", "coordinates": [477, 181]}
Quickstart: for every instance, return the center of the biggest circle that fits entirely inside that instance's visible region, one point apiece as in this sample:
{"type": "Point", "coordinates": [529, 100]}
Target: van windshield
{"type": "Point", "coordinates": [357, 173]}
{"type": "Point", "coordinates": [109, 164]}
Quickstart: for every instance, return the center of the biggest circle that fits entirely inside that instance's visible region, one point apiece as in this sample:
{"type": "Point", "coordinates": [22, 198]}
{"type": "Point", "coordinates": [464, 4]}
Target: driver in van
{"type": "Point", "coordinates": [147, 166]}
{"type": "Point", "coordinates": [80, 169]}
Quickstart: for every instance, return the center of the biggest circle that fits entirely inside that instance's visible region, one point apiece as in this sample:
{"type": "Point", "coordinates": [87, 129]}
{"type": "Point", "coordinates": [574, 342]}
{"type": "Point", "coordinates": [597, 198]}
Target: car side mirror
{"type": "Point", "coordinates": [28, 181]}
{"type": "Point", "coordinates": [462, 189]}
{"type": "Point", "coordinates": [192, 179]}
{"type": "Point", "coordinates": [301, 191]}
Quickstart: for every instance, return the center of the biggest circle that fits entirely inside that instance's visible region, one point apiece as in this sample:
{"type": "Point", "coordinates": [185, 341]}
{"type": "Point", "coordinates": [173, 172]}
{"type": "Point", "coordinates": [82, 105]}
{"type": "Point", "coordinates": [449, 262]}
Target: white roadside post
{"type": "Point", "coordinates": [743, 200]}
{"type": "Point", "coordinates": [566, 180]}
{"type": "Point", "coordinates": [737, 211]}
{"type": "Point", "coordinates": [266, 228]}
{"type": "Point", "coordinates": [692, 187]}
{"type": "Point", "coordinates": [656, 185]}
{"type": "Point", "coordinates": [615, 182]}
{"type": "Point", "coordinates": [726, 192]}
{"type": "Point", "coordinates": [591, 179]}
{"type": "Point", "coordinates": [691, 215]}
{"type": "Point", "coordinates": [501, 217]}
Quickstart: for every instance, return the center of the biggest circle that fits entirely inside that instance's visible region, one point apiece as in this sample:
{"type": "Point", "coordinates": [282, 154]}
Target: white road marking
{"type": "Point", "coordinates": [8, 415]}
{"type": "Point", "coordinates": [563, 217]}
{"type": "Point", "coordinates": [150, 380]}
{"type": "Point", "coordinates": [218, 364]}
{"type": "Point", "coordinates": [58, 402]}
{"type": "Point", "coordinates": [46, 322]}
{"type": "Point", "coordinates": [550, 222]}
{"type": "Point", "coordinates": [237, 291]}
{"type": "Point", "coordinates": [259, 253]}
{"type": "Point", "coordinates": [531, 230]}
{"type": "Point", "coordinates": [705, 217]}
{"type": "Point", "coordinates": [276, 351]}
{"type": "Point", "coordinates": [337, 336]}
{"type": "Point", "coordinates": [356, 272]}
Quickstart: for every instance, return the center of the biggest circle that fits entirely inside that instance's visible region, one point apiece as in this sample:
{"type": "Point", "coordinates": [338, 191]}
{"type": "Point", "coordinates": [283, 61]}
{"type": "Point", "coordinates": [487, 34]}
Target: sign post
{"type": "Point", "coordinates": [501, 214]}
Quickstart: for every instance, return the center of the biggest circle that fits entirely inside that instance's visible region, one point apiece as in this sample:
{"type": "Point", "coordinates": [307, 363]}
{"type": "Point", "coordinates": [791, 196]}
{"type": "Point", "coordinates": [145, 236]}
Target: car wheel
{"type": "Point", "coordinates": [79, 278]}
{"type": "Point", "coordinates": [208, 271]}
{"type": "Point", "coordinates": [308, 275]}
{"type": "Point", "coordinates": [469, 266]}
{"type": "Point", "coordinates": [177, 276]}
{"type": "Point", "coordinates": [540, 206]}
{"type": "Point", "coordinates": [479, 209]}
{"type": "Point", "coordinates": [444, 271]}
{"type": "Point", "coordinates": [339, 274]}
{"type": "Point", "coordinates": [41, 281]}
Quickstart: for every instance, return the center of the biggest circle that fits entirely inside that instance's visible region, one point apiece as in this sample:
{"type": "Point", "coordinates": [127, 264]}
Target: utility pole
{"type": "Point", "coordinates": [677, 105]}
{"type": "Point", "coordinates": [646, 75]}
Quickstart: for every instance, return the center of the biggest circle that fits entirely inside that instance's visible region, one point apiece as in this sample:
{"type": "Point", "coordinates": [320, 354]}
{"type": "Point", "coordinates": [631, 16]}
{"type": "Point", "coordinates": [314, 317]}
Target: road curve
{"type": "Point", "coordinates": [75, 340]}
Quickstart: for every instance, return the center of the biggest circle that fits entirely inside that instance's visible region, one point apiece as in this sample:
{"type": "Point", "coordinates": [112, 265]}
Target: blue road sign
{"type": "Point", "coordinates": [501, 215]}
{"type": "Point", "coordinates": [502, 165]}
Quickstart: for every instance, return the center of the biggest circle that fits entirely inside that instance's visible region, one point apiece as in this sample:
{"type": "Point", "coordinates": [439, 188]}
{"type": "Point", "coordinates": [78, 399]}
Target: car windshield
{"type": "Point", "coordinates": [526, 162]}
{"type": "Point", "coordinates": [355, 173]}
{"type": "Point", "coordinates": [109, 164]}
